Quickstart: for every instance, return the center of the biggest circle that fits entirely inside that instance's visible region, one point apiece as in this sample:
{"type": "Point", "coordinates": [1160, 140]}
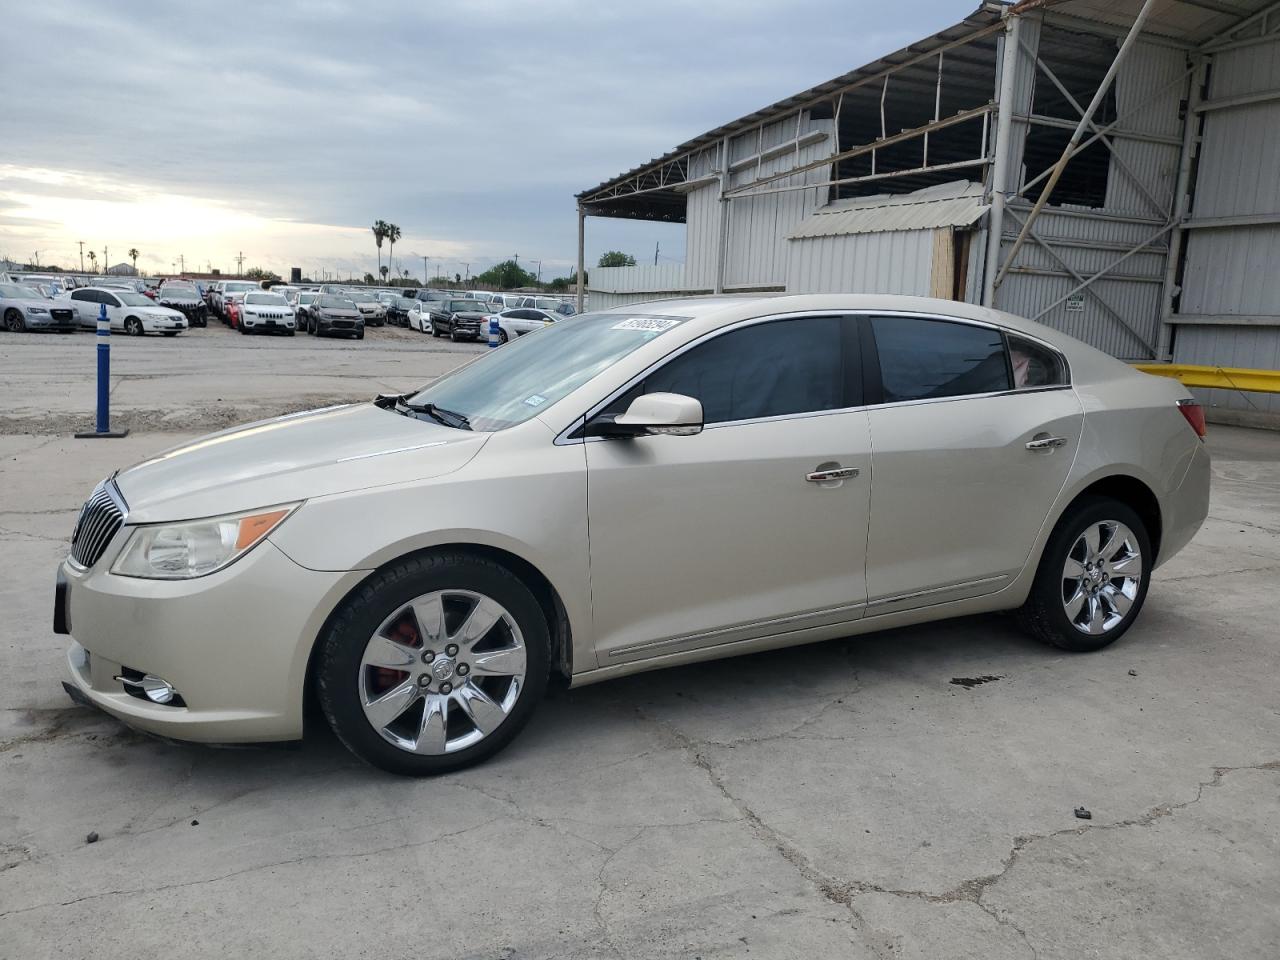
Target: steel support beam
{"type": "Point", "coordinates": [582, 223]}
{"type": "Point", "coordinates": [1061, 165]}
{"type": "Point", "coordinates": [1000, 169]}
{"type": "Point", "coordinates": [1181, 203]}
{"type": "Point", "coordinates": [722, 244]}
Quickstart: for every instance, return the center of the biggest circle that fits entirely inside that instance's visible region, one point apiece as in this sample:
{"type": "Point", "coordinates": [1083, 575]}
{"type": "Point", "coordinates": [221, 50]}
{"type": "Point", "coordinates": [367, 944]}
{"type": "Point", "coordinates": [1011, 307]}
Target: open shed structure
{"type": "Point", "coordinates": [1108, 167]}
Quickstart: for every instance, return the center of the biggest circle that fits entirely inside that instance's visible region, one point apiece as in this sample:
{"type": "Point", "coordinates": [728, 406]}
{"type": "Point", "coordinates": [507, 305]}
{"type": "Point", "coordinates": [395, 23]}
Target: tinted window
{"type": "Point", "coordinates": [764, 370]}
{"type": "Point", "coordinates": [1034, 365]}
{"type": "Point", "coordinates": [82, 295]}
{"type": "Point", "coordinates": [926, 359]}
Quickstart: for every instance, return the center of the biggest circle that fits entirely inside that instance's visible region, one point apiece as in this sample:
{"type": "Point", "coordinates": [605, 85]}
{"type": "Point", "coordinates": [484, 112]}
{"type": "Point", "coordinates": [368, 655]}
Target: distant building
{"type": "Point", "coordinates": [122, 270]}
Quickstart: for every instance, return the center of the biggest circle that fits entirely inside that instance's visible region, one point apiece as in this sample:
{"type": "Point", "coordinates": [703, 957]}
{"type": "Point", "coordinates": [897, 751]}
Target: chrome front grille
{"type": "Point", "coordinates": [100, 519]}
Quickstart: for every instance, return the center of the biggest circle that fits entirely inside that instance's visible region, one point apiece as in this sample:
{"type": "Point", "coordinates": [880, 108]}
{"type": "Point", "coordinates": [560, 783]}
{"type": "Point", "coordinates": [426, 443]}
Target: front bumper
{"type": "Point", "coordinates": [65, 320]}
{"type": "Point", "coordinates": [159, 325]}
{"type": "Point", "coordinates": [235, 644]}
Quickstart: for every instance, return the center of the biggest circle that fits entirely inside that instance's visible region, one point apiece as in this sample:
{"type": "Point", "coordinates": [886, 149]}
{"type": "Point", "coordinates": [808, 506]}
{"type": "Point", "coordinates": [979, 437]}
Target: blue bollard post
{"type": "Point", "coordinates": [493, 331]}
{"type": "Point", "coordinates": [103, 427]}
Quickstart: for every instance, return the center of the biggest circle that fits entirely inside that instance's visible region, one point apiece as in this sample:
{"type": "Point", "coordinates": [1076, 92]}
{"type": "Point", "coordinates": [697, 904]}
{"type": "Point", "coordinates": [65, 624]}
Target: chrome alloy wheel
{"type": "Point", "coordinates": [442, 672]}
{"type": "Point", "coordinates": [1101, 577]}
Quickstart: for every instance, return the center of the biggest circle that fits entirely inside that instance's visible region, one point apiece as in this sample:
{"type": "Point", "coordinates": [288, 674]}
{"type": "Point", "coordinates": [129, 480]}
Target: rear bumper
{"type": "Point", "coordinates": [1186, 506]}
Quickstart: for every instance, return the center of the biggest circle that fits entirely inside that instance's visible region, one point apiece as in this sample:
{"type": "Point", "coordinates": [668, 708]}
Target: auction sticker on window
{"type": "Point", "coordinates": [647, 324]}
{"type": "Point", "coordinates": [535, 401]}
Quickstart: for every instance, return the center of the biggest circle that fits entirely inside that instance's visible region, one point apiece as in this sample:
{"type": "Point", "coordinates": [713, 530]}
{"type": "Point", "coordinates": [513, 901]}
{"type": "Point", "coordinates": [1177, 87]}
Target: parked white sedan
{"type": "Point", "coordinates": [129, 312]}
{"type": "Point", "coordinates": [753, 473]}
{"type": "Point", "coordinates": [515, 323]}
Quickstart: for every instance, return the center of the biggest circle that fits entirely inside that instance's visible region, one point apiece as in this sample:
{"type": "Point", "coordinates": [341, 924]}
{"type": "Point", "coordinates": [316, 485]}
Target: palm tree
{"type": "Point", "coordinates": [133, 255]}
{"type": "Point", "coordinates": [379, 234]}
{"type": "Point", "coordinates": [383, 269]}
{"type": "Point", "coordinates": [93, 261]}
{"type": "Point", "coordinates": [393, 234]}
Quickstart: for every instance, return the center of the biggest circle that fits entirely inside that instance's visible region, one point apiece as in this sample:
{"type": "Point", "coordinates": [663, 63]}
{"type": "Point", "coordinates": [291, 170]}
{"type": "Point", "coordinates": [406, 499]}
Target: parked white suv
{"type": "Point", "coordinates": [762, 472]}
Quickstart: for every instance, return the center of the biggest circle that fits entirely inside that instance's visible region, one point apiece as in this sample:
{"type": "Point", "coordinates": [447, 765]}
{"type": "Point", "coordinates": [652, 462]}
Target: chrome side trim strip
{"type": "Point", "coordinates": [933, 590]}
{"type": "Point", "coordinates": [823, 618]}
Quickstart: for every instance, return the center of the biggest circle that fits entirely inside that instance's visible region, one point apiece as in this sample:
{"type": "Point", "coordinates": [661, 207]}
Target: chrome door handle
{"type": "Point", "coordinates": [1045, 443]}
{"type": "Point", "coordinates": [822, 476]}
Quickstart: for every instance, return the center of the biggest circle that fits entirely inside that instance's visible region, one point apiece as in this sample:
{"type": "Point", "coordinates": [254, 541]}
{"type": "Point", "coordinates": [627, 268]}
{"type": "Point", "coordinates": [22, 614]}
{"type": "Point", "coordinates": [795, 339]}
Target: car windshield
{"type": "Point", "coordinates": [306, 297]}
{"type": "Point", "coordinates": [130, 299]}
{"type": "Point", "coordinates": [508, 386]}
{"type": "Point", "coordinates": [404, 303]}
{"type": "Point", "coordinates": [178, 291]}
{"type": "Point", "coordinates": [337, 303]}
{"type": "Point", "coordinates": [239, 287]}
{"type": "Point", "coordinates": [266, 299]}
{"type": "Point", "coordinates": [17, 292]}
{"type": "Point", "coordinates": [466, 306]}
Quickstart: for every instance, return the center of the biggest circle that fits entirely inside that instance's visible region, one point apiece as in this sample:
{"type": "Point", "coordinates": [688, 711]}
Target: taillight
{"type": "Point", "coordinates": [1193, 413]}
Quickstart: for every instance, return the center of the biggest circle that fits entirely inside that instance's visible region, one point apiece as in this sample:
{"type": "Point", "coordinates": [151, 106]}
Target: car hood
{"type": "Point", "coordinates": [188, 299]}
{"type": "Point", "coordinates": [57, 304]}
{"type": "Point", "coordinates": [296, 457]}
{"type": "Point", "coordinates": [470, 315]}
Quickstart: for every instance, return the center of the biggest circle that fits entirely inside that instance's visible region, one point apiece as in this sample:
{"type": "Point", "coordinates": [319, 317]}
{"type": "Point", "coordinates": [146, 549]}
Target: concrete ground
{"type": "Point", "coordinates": [847, 799]}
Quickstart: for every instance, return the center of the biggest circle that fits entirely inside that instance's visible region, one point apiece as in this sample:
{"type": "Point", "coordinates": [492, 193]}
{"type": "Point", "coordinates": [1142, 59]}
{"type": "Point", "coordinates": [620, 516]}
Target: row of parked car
{"type": "Point", "coordinates": [35, 306]}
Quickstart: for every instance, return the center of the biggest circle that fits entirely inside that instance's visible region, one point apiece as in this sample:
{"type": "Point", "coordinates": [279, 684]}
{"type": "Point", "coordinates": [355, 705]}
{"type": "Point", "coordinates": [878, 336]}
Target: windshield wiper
{"type": "Point", "coordinates": [400, 403]}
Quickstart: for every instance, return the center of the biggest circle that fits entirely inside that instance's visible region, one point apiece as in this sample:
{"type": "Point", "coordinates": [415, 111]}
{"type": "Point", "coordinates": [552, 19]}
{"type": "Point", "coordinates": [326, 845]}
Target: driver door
{"type": "Point", "coordinates": [726, 536]}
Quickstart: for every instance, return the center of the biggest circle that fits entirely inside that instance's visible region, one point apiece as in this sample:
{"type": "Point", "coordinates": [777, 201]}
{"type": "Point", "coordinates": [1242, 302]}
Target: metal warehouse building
{"type": "Point", "coordinates": [1111, 169]}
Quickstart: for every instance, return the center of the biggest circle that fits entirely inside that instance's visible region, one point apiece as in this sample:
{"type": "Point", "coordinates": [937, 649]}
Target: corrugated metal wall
{"type": "Point", "coordinates": [758, 226]}
{"type": "Point", "coordinates": [1235, 271]}
{"type": "Point", "coordinates": [615, 286]}
{"type": "Point", "coordinates": [892, 262]}
{"type": "Point", "coordinates": [1121, 313]}
{"type": "Point", "coordinates": [702, 226]}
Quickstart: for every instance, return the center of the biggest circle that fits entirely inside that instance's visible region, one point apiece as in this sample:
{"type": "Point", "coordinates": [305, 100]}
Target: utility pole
{"type": "Point", "coordinates": [426, 277]}
{"type": "Point", "coordinates": [468, 268]}
{"type": "Point", "coordinates": [106, 261]}
{"type": "Point", "coordinates": [656, 245]}
{"type": "Point", "coordinates": [182, 262]}
{"type": "Point", "coordinates": [539, 263]}
{"type": "Point", "coordinates": [35, 257]}
{"type": "Point", "coordinates": [240, 264]}
{"type": "Point", "coordinates": [81, 242]}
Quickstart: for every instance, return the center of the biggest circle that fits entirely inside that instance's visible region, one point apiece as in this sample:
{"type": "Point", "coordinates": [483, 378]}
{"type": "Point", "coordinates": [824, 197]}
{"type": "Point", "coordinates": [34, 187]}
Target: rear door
{"type": "Point", "coordinates": [974, 433]}
{"type": "Point", "coordinates": [735, 534]}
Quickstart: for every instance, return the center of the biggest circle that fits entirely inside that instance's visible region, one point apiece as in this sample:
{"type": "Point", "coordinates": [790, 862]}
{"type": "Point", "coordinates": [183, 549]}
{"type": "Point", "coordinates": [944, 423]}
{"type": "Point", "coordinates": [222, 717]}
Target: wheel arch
{"type": "Point", "coordinates": [1135, 494]}
{"type": "Point", "coordinates": [553, 609]}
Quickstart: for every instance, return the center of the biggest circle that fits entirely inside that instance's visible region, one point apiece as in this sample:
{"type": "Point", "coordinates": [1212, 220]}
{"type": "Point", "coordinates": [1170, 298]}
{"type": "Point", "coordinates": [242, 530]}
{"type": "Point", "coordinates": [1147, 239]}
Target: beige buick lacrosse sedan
{"type": "Point", "coordinates": [623, 491]}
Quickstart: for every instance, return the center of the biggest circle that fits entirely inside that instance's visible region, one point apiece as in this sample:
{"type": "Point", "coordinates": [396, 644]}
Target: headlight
{"type": "Point", "coordinates": [181, 551]}
{"type": "Point", "coordinates": [37, 310]}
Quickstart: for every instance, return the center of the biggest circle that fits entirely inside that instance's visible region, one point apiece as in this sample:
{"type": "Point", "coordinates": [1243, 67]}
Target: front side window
{"type": "Point", "coordinates": [924, 359]}
{"type": "Point", "coordinates": [771, 369]}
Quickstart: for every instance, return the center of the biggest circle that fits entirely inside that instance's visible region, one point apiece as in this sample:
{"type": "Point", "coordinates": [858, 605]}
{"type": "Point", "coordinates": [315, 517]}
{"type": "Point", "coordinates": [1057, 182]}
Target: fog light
{"type": "Point", "coordinates": [153, 688]}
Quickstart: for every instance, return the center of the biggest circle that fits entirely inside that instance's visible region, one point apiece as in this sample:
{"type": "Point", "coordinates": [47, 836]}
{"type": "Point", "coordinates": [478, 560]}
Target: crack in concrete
{"type": "Point", "coordinates": [133, 891]}
{"type": "Point", "coordinates": [971, 890]}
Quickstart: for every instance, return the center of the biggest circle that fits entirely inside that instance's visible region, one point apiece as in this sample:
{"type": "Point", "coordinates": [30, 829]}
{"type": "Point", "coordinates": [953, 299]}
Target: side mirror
{"type": "Point", "coordinates": [653, 414]}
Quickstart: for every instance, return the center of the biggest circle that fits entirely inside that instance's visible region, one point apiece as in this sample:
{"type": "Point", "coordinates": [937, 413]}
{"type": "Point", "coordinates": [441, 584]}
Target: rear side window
{"type": "Point", "coordinates": [927, 359]}
{"type": "Point", "coordinates": [1034, 365]}
{"type": "Point", "coordinates": [765, 370]}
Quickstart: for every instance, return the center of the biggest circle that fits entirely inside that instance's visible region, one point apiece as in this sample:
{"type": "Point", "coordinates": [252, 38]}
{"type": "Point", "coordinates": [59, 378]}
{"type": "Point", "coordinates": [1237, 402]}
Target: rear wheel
{"type": "Point", "coordinates": [1093, 577]}
{"type": "Point", "coordinates": [435, 664]}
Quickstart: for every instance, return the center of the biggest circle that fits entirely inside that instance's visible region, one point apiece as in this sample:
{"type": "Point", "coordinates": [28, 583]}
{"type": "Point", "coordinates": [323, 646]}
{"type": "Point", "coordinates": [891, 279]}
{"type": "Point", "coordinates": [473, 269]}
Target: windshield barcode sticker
{"type": "Point", "coordinates": [535, 400]}
{"type": "Point", "coordinates": [649, 324]}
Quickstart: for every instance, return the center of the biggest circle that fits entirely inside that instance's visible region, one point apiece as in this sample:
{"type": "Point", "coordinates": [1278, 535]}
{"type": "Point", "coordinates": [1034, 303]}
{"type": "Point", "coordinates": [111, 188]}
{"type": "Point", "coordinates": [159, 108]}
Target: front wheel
{"type": "Point", "coordinates": [14, 321]}
{"type": "Point", "coordinates": [502, 335]}
{"type": "Point", "coordinates": [133, 327]}
{"type": "Point", "coordinates": [434, 664]}
{"type": "Point", "coordinates": [434, 332]}
{"type": "Point", "coordinates": [1093, 577]}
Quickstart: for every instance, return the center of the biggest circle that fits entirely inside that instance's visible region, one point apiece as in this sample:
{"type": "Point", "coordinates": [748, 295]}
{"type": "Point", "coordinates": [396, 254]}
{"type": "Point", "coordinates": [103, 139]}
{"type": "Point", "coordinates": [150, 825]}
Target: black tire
{"type": "Point", "coordinates": [360, 335]}
{"type": "Point", "coordinates": [170, 333]}
{"type": "Point", "coordinates": [244, 331]}
{"type": "Point", "coordinates": [1043, 615]}
{"type": "Point", "coordinates": [289, 333]}
{"type": "Point", "coordinates": [14, 321]}
{"type": "Point", "coordinates": [502, 335]}
{"type": "Point", "coordinates": [342, 645]}
{"type": "Point", "coordinates": [133, 327]}
{"type": "Point", "coordinates": [453, 333]}
{"type": "Point", "coordinates": [431, 324]}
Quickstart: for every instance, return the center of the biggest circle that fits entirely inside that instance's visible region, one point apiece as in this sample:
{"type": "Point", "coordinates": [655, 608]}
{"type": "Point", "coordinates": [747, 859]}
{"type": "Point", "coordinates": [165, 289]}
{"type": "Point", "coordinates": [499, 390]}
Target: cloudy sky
{"type": "Point", "coordinates": [284, 129]}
